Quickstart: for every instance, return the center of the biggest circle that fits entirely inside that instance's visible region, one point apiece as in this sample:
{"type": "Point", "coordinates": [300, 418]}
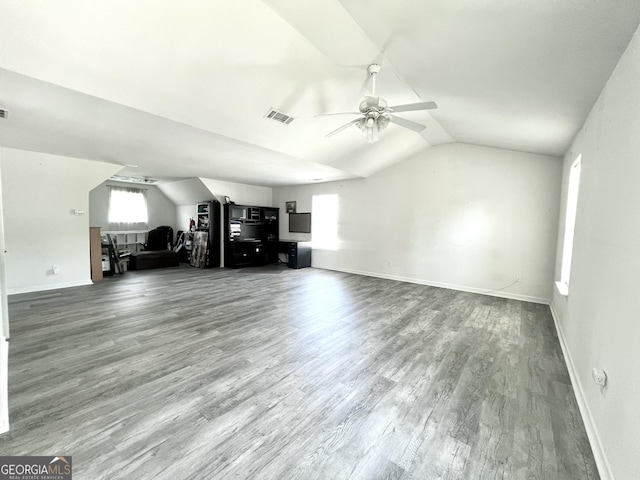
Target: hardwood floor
{"type": "Point", "coordinates": [184, 373]}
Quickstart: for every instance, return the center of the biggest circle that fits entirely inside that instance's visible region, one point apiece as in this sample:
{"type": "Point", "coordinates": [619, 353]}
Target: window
{"type": "Point", "coordinates": [324, 221]}
{"type": "Point", "coordinates": [127, 205]}
{"type": "Point", "coordinates": [569, 226]}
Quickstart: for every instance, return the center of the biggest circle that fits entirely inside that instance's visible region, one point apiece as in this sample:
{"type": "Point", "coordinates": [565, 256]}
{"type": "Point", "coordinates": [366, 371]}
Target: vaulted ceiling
{"type": "Point", "coordinates": [180, 89]}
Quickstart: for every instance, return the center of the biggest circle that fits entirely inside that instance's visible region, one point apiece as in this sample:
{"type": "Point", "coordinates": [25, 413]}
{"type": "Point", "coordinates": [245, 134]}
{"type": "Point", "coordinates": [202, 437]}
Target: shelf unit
{"type": "Point", "coordinates": [208, 220]}
{"type": "Point", "coordinates": [127, 240]}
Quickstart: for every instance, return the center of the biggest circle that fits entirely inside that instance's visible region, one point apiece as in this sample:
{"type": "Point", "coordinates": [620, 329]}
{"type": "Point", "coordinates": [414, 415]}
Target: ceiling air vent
{"type": "Point", "coordinates": [279, 117]}
{"type": "Point", "coordinates": [4, 113]}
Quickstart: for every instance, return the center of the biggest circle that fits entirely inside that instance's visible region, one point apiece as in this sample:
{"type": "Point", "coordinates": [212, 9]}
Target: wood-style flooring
{"type": "Point", "coordinates": [183, 373]}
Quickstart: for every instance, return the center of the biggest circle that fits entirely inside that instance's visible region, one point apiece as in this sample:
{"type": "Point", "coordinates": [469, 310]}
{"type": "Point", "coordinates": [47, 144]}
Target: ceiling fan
{"type": "Point", "coordinates": [375, 115]}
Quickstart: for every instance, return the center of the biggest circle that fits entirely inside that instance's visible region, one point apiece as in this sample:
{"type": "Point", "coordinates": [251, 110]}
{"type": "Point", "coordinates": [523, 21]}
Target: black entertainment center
{"type": "Point", "coordinates": [250, 235]}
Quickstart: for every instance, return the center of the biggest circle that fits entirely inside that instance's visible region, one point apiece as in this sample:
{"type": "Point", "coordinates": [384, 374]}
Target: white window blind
{"type": "Point", "coordinates": [127, 205]}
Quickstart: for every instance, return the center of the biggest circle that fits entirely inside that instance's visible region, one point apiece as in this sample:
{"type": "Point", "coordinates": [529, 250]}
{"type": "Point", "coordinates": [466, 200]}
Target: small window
{"type": "Point", "coordinates": [127, 205]}
{"type": "Point", "coordinates": [569, 226]}
{"type": "Point", "coordinates": [324, 222]}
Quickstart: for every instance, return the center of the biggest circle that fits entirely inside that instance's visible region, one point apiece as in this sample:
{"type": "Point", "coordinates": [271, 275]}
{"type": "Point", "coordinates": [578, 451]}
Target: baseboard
{"type": "Point", "coordinates": [461, 288]}
{"type": "Point", "coordinates": [42, 288]}
{"type": "Point", "coordinates": [604, 468]}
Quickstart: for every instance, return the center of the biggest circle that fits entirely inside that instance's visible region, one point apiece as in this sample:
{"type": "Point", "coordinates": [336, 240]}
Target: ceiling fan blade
{"type": "Point", "coordinates": [346, 125]}
{"type": "Point", "coordinates": [336, 113]}
{"type": "Point", "coordinates": [413, 106]}
{"type": "Point", "coordinates": [403, 122]}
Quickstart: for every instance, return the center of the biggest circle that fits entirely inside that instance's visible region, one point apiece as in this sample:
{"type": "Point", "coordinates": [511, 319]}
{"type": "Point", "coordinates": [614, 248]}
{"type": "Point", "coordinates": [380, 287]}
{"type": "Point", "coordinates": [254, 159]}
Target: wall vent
{"type": "Point", "coordinates": [4, 113]}
{"type": "Point", "coordinates": [279, 117]}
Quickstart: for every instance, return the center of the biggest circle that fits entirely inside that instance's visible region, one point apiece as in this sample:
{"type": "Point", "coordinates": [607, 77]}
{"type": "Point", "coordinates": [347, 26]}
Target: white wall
{"type": "Point", "coordinates": [186, 192]}
{"type": "Point", "coordinates": [240, 193]}
{"type": "Point", "coordinates": [459, 216]}
{"type": "Point", "coordinates": [39, 193]}
{"type": "Point", "coordinates": [599, 322]}
{"type": "Point", "coordinates": [184, 214]}
{"type": "Point", "coordinates": [162, 210]}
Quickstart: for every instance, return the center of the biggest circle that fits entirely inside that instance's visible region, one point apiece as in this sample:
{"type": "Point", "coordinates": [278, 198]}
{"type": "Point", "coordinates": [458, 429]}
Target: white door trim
{"type": "Point", "coordinates": [4, 330]}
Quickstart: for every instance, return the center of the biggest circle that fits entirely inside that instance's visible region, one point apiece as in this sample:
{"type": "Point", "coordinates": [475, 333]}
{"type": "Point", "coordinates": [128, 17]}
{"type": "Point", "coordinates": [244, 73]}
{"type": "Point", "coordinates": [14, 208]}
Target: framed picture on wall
{"type": "Point", "coordinates": [291, 207]}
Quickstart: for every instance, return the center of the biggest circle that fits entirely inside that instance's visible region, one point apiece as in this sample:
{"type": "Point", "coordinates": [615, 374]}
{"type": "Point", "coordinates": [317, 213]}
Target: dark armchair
{"type": "Point", "coordinates": [158, 251]}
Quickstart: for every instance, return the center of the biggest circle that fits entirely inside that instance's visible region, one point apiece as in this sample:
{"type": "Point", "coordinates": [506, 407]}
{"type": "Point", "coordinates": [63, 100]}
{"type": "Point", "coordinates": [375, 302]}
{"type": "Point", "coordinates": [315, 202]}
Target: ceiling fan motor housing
{"type": "Point", "coordinates": [373, 103]}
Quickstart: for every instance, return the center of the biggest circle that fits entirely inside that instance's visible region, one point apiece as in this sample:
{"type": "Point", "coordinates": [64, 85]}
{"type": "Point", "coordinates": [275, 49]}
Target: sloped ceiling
{"type": "Point", "coordinates": [180, 89]}
{"type": "Point", "coordinates": [186, 192]}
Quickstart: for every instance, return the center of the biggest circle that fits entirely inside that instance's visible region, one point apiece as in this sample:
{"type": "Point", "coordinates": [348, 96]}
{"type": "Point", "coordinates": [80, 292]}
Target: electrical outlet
{"type": "Point", "coordinates": [599, 376]}
{"type": "Point", "coordinates": [518, 278]}
{"type": "Point", "coordinates": [55, 269]}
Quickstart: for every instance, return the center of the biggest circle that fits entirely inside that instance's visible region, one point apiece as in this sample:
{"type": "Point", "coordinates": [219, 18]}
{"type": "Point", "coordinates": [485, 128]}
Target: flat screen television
{"type": "Point", "coordinates": [300, 222]}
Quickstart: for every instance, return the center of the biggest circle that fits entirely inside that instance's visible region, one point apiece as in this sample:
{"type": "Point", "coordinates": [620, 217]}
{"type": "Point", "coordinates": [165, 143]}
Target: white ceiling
{"type": "Point", "coordinates": [180, 89]}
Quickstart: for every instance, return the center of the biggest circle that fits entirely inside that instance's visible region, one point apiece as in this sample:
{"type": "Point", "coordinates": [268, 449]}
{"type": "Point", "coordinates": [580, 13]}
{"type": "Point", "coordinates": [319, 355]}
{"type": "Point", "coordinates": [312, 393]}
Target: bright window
{"type": "Point", "coordinates": [127, 205]}
{"type": "Point", "coordinates": [569, 226]}
{"type": "Point", "coordinates": [324, 221]}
